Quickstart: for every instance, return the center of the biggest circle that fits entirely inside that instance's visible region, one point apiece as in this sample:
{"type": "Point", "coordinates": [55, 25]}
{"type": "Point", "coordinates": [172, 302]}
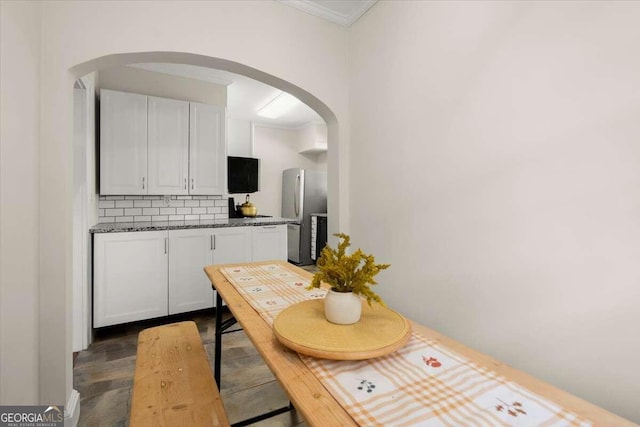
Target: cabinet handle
{"type": "Point", "coordinates": [185, 183]}
{"type": "Point", "coordinates": [268, 226]}
{"type": "Point", "coordinates": [213, 239]}
{"type": "Point", "coordinates": [143, 182]}
{"type": "Point", "coordinates": [166, 245]}
{"type": "Point", "coordinates": [192, 183]}
{"type": "Point", "coordinates": [211, 242]}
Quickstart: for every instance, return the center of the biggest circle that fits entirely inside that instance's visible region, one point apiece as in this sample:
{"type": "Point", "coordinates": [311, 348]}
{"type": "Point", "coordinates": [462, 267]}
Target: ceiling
{"type": "Point", "coordinates": [245, 96]}
{"type": "Point", "coordinates": [343, 12]}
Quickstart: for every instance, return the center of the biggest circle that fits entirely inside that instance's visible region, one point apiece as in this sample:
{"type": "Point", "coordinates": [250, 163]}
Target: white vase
{"type": "Point", "coordinates": [343, 308]}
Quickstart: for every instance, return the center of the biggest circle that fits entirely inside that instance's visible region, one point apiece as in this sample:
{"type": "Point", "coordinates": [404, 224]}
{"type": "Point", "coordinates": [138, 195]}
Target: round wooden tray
{"type": "Point", "coordinates": [302, 327]}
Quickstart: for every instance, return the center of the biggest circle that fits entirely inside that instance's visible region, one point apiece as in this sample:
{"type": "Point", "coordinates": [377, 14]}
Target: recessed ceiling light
{"type": "Point", "coordinates": [278, 106]}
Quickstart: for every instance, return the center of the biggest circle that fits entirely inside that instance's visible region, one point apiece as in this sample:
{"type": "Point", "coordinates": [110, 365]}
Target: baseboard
{"type": "Point", "coordinates": [72, 409]}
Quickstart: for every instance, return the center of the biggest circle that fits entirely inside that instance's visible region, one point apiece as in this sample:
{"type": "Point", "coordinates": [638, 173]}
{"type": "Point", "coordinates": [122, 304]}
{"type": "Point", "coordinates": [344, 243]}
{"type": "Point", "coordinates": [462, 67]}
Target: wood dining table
{"type": "Point", "coordinates": [315, 403]}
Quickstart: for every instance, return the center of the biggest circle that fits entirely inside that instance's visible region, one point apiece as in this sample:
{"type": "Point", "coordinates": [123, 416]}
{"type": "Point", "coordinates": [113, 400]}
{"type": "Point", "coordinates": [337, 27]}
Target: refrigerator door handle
{"type": "Point", "coordinates": [296, 190]}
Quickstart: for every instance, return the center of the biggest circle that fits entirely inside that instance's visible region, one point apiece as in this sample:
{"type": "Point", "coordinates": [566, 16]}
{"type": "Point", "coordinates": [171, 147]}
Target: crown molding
{"type": "Point", "coordinates": [318, 10]}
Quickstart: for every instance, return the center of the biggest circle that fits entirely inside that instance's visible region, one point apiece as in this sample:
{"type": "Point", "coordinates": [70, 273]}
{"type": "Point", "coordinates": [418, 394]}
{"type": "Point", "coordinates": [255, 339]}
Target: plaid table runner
{"type": "Point", "coordinates": [424, 383]}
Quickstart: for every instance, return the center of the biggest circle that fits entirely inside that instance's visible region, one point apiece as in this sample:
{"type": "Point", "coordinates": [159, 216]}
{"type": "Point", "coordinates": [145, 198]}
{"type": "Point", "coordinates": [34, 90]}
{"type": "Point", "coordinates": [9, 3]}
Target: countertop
{"type": "Point", "coordinates": [119, 227]}
{"type": "Point", "coordinates": [319, 214]}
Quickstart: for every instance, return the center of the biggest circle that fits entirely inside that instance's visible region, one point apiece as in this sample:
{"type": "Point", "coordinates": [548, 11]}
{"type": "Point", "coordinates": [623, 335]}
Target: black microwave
{"type": "Point", "coordinates": [242, 174]}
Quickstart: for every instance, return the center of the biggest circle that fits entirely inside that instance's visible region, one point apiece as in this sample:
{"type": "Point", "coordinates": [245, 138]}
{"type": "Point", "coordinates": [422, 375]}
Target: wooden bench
{"type": "Point", "coordinates": [173, 384]}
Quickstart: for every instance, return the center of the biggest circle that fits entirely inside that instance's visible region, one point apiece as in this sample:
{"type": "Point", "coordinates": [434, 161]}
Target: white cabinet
{"type": "Point", "coordinates": [207, 150]}
{"type": "Point", "coordinates": [168, 146]}
{"type": "Point", "coordinates": [146, 274]}
{"type": "Point", "coordinates": [190, 251]}
{"type": "Point", "coordinates": [151, 145]}
{"type": "Point", "coordinates": [313, 138]}
{"type": "Point", "coordinates": [269, 242]}
{"type": "Point", "coordinates": [123, 143]}
{"type": "Point", "coordinates": [231, 245]}
{"type": "Point", "coordinates": [130, 277]}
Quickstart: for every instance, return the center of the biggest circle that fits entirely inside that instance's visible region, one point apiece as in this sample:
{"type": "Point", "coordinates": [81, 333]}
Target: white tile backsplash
{"type": "Point", "coordinates": [114, 212]}
{"type": "Point", "coordinates": [124, 203]}
{"type": "Point", "coordinates": [151, 211]}
{"type": "Point", "coordinates": [142, 203]}
{"type": "Point", "coordinates": [155, 208]}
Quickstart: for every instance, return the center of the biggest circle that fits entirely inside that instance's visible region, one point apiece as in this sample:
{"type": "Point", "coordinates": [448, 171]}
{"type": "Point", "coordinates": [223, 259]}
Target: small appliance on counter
{"type": "Point", "coordinates": [234, 210]}
{"type": "Point", "coordinates": [245, 210]}
{"type": "Point", "coordinates": [248, 209]}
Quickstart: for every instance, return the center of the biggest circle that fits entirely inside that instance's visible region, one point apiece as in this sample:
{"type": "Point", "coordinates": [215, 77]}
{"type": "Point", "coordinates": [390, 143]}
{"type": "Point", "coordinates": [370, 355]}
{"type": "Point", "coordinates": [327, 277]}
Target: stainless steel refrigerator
{"type": "Point", "coordinates": [303, 192]}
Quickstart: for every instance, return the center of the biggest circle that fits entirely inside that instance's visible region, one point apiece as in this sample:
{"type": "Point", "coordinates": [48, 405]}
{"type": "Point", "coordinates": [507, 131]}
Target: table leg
{"type": "Point", "coordinates": [218, 345]}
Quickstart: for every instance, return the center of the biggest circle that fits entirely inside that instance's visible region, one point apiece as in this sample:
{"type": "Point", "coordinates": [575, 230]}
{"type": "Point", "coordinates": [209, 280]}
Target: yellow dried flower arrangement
{"type": "Point", "coordinates": [348, 273]}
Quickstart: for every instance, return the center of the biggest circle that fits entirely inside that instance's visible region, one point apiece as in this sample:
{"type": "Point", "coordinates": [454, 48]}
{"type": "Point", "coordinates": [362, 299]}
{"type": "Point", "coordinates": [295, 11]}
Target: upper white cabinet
{"type": "Point", "coordinates": [269, 242]}
{"type": "Point", "coordinates": [130, 277]}
{"type": "Point", "coordinates": [168, 146]}
{"type": "Point", "coordinates": [151, 145]}
{"type": "Point", "coordinates": [313, 138]}
{"type": "Point", "coordinates": [207, 150]}
{"type": "Point", "coordinates": [123, 143]}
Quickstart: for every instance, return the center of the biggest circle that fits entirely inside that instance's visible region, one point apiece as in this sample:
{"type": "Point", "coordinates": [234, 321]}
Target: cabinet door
{"type": "Point", "coordinates": [130, 277]}
{"type": "Point", "coordinates": [207, 150]}
{"type": "Point", "coordinates": [269, 242]}
{"type": "Point", "coordinates": [231, 245]}
{"type": "Point", "coordinates": [189, 252]}
{"type": "Point", "coordinates": [123, 143]}
{"type": "Point", "coordinates": [168, 146]}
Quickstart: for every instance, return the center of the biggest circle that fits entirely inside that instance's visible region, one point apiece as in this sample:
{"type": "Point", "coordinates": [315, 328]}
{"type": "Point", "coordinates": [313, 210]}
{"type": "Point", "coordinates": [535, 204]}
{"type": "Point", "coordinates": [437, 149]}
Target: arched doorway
{"type": "Point", "coordinates": [217, 63]}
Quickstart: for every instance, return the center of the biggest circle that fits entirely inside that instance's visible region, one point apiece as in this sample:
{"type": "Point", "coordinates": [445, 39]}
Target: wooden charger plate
{"type": "Point", "coordinates": [302, 327]}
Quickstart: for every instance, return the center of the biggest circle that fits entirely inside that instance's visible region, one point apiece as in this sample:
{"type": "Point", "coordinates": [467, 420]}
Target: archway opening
{"type": "Point", "coordinates": [221, 64]}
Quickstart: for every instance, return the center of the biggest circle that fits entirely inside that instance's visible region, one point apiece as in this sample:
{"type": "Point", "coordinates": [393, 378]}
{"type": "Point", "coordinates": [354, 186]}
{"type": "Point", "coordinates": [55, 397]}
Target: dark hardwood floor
{"type": "Point", "coordinates": [103, 375]}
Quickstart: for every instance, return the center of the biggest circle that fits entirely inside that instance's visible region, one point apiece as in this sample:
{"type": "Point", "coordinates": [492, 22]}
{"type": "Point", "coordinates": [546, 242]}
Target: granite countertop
{"type": "Point", "coordinates": [119, 227]}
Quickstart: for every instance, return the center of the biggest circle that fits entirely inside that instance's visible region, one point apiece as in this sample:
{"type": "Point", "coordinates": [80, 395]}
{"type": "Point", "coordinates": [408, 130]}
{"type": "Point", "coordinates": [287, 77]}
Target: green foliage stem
{"type": "Point", "coordinates": [348, 273]}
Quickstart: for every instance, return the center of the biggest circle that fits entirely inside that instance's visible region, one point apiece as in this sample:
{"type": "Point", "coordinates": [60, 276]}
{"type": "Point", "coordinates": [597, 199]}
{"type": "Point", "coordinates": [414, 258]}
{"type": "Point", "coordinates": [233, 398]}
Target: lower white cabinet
{"type": "Point", "coordinates": [231, 245]}
{"type": "Point", "coordinates": [269, 242]}
{"type": "Point", "coordinates": [146, 274]}
{"type": "Point", "coordinates": [130, 277]}
{"type": "Point", "coordinates": [193, 249]}
{"type": "Point", "coordinates": [189, 288]}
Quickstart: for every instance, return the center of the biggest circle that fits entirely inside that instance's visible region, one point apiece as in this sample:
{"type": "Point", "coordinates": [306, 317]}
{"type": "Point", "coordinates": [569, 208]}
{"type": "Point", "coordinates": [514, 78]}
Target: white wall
{"type": "Point", "coordinates": [277, 150]}
{"type": "Point", "coordinates": [136, 80]}
{"type": "Point", "coordinates": [283, 47]}
{"type": "Point", "coordinates": [239, 138]}
{"type": "Point", "coordinates": [19, 188]}
{"type": "Point", "coordinates": [503, 138]}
